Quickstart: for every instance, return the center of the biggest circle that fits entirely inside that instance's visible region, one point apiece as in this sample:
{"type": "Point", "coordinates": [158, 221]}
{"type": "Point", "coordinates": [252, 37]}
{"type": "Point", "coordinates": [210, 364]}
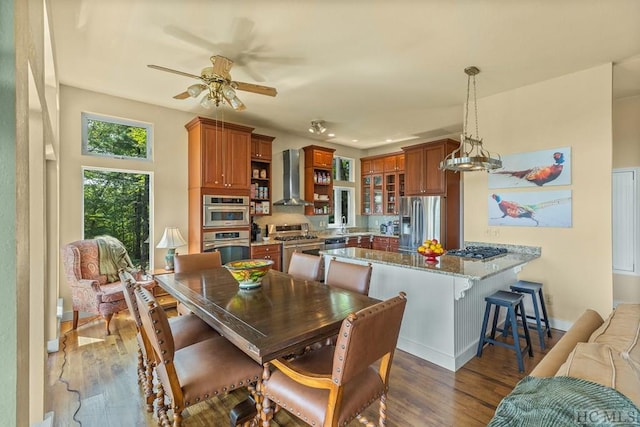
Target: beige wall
{"type": "Point", "coordinates": [626, 154]}
{"type": "Point", "coordinates": [573, 110]}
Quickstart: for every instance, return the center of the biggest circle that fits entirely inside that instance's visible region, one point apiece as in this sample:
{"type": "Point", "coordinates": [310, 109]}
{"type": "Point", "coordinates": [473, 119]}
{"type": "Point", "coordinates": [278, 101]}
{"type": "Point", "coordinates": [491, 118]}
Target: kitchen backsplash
{"type": "Point", "coordinates": [295, 215]}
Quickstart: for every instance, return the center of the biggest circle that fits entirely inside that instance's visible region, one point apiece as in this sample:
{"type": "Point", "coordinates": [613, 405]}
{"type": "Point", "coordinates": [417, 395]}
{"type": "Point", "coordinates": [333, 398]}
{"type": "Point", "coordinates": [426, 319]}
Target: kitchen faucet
{"type": "Point", "coordinates": [343, 225]}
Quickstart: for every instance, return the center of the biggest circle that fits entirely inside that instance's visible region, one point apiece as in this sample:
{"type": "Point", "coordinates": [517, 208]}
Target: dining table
{"type": "Point", "coordinates": [279, 318]}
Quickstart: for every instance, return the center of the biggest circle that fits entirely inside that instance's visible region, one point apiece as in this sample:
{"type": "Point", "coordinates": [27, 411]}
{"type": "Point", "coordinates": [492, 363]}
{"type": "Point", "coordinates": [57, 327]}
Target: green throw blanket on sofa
{"type": "Point", "coordinates": [112, 257]}
{"type": "Point", "coordinates": [564, 401]}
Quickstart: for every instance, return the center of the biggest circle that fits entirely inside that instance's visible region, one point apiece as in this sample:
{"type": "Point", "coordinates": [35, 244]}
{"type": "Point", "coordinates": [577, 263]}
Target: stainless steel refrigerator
{"type": "Point", "coordinates": [421, 218]}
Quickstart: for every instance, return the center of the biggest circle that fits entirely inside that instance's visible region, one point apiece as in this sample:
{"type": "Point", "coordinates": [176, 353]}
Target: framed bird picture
{"type": "Point", "coordinates": [530, 209]}
{"type": "Point", "coordinates": [542, 168]}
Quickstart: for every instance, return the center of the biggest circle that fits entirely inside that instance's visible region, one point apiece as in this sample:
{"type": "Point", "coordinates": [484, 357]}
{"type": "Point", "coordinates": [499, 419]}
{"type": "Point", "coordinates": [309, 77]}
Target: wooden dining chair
{"type": "Point", "coordinates": [194, 262]}
{"type": "Point", "coordinates": [194, 373]}
{"type": "Point", "coordinates": [304, 266]}
{"type": "Point", "coordinates": [186, 330]}
{"type": "Point", "coordinates": [349, 276]}
{"type": "Point", "coordinates": [333, 385]}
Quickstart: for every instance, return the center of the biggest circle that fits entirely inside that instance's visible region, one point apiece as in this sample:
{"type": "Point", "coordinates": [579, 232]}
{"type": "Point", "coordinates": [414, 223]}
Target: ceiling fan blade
{"type": "Point", "coordinates": [250, 87]}
{"type": "Point", "coordinates": [169, 70]}
{"type": "Point", "coordinates": [221, 66]}
{"type": "Point", "coordinates": [183, 95]}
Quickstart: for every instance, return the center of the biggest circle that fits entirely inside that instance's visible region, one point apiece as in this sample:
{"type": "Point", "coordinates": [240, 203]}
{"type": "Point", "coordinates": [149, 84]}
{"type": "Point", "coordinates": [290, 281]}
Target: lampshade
{"type": "Point", "coordinates": [195, 90]}
{"type": "Point", "coordinates": [171, 239]}
{"type": "Point", "coordinates": [470, 155]}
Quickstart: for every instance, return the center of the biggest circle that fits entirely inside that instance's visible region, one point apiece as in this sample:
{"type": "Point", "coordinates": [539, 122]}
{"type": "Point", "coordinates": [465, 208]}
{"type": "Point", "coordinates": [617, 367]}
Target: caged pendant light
{"type": "Point", "coordinates": [471, 155]}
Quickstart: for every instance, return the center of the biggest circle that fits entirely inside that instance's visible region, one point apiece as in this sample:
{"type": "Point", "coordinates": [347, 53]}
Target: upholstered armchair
{"type": "Point", "coordinates": [91, 290]}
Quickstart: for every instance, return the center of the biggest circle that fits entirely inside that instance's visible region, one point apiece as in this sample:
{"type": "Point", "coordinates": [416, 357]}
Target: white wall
{"type": "Point", "coordinates": [626, 154]}
{"type": "Point", "coordinates": [573, 110]}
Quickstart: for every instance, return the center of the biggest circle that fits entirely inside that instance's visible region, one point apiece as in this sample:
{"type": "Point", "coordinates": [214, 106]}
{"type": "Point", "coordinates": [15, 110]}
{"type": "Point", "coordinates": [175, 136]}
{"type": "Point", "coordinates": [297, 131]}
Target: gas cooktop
{"type": "Point", "coordinates": [477, 252]}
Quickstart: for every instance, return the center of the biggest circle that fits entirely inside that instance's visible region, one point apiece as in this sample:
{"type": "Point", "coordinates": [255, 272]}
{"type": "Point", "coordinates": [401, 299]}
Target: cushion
{"type": "Point", "coordinates": [602, 364]}
{"type": "Point", "coordinates": [621, 332]}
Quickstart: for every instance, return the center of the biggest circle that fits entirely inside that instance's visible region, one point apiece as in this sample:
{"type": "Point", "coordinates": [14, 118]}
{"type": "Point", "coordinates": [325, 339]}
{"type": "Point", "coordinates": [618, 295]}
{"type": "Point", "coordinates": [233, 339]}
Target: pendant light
{"type": "Point", "coordinates": [471, 155]}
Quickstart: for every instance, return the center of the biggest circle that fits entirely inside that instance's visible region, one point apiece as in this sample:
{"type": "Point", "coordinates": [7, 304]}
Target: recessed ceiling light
{"type": "Point", "coordinates": [331, 135]}
{"type": "Point", "coordinates": [354, 140]}
{"type": "Point", "coordinates": [388, 140]}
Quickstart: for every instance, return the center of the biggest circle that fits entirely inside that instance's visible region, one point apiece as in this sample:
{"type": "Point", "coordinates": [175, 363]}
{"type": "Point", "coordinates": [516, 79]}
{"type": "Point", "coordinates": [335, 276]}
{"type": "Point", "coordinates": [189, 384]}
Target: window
{"type": "Point", "coordinates": [114, 137]}
{"type": "Point", "coordinates": [116, 203]}
{"type": "Point", "coordinates": [343, 169]}
{"type": "Point", "coordinates": [344, 205]}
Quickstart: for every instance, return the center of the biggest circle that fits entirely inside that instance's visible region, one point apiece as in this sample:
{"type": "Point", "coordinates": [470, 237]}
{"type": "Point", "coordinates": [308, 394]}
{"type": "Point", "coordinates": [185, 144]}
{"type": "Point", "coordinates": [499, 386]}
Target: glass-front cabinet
{"type": "Point", "coordinates": [372, 194]}
{"type": "Point", "coordinates": [393, 190]}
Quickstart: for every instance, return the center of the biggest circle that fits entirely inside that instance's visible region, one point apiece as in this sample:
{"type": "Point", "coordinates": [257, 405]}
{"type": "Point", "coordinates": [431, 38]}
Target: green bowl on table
{"type": "Point", "coordinates": [249, 272]}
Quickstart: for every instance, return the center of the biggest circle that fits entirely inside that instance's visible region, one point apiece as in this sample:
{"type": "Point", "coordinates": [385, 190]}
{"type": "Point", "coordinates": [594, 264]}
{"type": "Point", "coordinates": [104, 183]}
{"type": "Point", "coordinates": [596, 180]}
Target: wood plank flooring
{"type": "Point", "coordinates": [103, 369]}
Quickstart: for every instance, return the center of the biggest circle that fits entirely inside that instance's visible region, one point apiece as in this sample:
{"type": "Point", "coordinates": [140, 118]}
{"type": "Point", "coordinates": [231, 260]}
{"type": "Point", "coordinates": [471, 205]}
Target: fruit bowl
{"type": "Point", "coordinates": [431, 249]}
{"type": "Point", "coordinates": [431, 258]}
{"type": "Point", "coordinates": [249, 272]}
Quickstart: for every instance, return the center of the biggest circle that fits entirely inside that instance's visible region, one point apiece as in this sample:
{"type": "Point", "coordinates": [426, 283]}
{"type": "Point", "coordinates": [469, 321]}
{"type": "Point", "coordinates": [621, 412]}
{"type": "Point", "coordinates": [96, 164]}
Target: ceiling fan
{"type": "Point", "coordinates": [217, 85]}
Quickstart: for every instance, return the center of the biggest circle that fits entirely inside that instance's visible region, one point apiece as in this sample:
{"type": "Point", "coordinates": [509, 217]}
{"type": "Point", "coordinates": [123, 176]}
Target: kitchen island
{"type": "Point", "coordinates": [445, 301]}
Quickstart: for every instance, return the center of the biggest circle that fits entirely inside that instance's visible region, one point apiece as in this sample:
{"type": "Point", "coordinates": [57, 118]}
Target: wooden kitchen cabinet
{"type": "Point", "coordinates": [318, 180]}
{"type": "Point", "coordinates": [387, 244]}
{"type": "Point", "coordinates": [272, 252]}
{"type": "Point", "coordinates": [423, 176]}
{"type": "Point", "coordinates": [219, 155]}
{"type": "Point", "coordinates": [382, 184]}
{"type": "Point", "coordinates": [261, 147]}
{"type": "Point", "coordinates": [260, 195]}
{"type": "Point", "coordinates": [363, 242]}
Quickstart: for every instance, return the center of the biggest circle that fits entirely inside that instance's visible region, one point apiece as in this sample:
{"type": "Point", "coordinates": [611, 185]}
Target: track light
{"type": "Point", "coordinates": [317, 127]}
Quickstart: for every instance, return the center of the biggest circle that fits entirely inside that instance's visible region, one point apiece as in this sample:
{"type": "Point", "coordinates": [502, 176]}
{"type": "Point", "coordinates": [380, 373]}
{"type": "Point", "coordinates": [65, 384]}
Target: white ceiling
{"type": "Point", "coordinates": [373, 70]}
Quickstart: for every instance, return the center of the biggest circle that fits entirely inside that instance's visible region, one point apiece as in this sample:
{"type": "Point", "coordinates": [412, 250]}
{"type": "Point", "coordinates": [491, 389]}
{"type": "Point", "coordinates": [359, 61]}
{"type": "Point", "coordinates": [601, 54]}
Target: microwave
{"type": "Point", "coordinates": [225, 211]}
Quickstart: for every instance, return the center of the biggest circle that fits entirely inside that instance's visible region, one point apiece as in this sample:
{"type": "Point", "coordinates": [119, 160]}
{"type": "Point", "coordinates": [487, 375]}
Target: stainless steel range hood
{"type": "Point", "coordinates": [291, 185]}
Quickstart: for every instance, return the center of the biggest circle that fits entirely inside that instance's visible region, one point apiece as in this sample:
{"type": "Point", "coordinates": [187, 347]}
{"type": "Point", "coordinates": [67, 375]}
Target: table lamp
{"type": "Point", "coordinates": [171, 239]}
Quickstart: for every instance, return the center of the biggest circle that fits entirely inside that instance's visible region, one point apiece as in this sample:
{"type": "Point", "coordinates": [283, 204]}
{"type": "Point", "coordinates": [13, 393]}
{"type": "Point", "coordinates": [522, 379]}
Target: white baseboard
{"type": "Point", "coordinates": [54, 344]}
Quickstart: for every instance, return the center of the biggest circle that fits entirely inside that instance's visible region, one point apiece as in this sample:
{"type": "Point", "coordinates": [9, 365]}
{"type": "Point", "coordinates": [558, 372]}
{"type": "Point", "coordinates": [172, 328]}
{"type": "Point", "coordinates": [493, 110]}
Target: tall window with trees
{"type": "Point", "coordinates": [116, 202]}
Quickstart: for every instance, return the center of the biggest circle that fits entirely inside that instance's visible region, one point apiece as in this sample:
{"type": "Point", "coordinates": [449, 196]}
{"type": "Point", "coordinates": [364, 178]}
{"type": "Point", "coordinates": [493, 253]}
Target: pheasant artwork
{"type": "Point", "coordinates": [539, 175]}
{"type": "Point", "coordinates": [518, 210]}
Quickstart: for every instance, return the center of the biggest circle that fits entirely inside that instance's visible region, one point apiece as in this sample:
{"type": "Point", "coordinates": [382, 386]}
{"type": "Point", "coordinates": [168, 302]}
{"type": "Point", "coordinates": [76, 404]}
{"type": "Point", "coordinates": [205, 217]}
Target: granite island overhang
{"type": "Point", "coordinates": [445, 301]}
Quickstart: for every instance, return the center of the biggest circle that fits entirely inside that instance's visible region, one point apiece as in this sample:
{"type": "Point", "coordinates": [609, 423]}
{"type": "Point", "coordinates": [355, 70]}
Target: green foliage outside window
{"type": "Point", "coordinates": [117, 204]}
{"type": "Point", "coordinates": [105, 136]}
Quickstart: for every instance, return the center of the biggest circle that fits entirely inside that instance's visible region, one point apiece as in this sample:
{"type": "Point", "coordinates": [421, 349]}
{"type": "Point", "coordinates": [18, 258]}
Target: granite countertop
{"type": "Point", "coordinates": [263, 243]}
{"type": "Point", "coordinates": [356, 234]}
{"type": "Point", "coordinates": [448, 264]}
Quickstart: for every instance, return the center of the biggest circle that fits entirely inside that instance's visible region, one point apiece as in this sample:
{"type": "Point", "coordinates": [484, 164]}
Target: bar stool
{"type": "Point", "coordinates": [513, 302]}
{"type": "Point", "coordinates": [535, 290]}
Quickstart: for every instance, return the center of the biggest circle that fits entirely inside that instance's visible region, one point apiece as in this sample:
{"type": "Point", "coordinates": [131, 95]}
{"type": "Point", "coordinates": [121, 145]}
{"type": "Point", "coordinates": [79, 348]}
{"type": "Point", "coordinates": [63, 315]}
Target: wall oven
{"type": "Point", "coordinates": [225, 211]}
{"type": "Point", "coordinates": [232, 245]}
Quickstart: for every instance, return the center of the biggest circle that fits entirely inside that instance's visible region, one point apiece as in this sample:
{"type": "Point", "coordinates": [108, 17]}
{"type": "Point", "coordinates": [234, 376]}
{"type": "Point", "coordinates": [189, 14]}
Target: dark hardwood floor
{"type": "Point", "coordinates": [103, 369]}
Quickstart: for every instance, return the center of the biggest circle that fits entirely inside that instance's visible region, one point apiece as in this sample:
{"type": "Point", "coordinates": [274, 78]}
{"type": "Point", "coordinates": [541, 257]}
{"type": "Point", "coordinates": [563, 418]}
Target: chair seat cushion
{"type": "Point", "coordinates": [212, 367]}
{"type": "Point", "coordinates": [188, 330]}
{"type": "Point", "coordinates": [310, 404]}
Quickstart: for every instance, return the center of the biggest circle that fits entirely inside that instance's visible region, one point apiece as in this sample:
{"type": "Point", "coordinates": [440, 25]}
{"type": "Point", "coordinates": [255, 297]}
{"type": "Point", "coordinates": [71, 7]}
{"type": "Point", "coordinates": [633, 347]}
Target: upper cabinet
{"type": "Point", "coordinates": [219, 154]}
{"type": "Point", "coordinates": [423, 176]}
{"type": "Point", "coordinates": [261, 147]}
{"type": "Point", "coordinates": [318, 181]}
{"type": "Point", "coordinates": [382, 183]}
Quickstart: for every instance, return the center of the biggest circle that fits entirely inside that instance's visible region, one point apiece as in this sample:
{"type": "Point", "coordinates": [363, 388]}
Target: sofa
{"type": "Point", "coordinates": [591, 375]}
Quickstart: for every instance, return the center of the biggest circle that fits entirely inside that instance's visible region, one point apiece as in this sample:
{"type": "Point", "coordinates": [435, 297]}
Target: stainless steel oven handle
{"type": "Point", "coordinates": [226, 243]}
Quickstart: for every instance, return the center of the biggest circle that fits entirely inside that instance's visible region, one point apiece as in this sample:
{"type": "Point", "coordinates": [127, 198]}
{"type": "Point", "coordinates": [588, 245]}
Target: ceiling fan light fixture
{"type": "Point", "coordinates": [195, 90]}
{"type": "Point", "coordinates": [207, 101]}
{"type": "Point", "coordinates": [470, 155]}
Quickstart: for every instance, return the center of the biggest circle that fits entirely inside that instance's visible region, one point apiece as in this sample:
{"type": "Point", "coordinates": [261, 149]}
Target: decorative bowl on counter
{"type": "Point", "coordinates": [431, 250]}
{"type": "Point", "coordinates": [249, 272]}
